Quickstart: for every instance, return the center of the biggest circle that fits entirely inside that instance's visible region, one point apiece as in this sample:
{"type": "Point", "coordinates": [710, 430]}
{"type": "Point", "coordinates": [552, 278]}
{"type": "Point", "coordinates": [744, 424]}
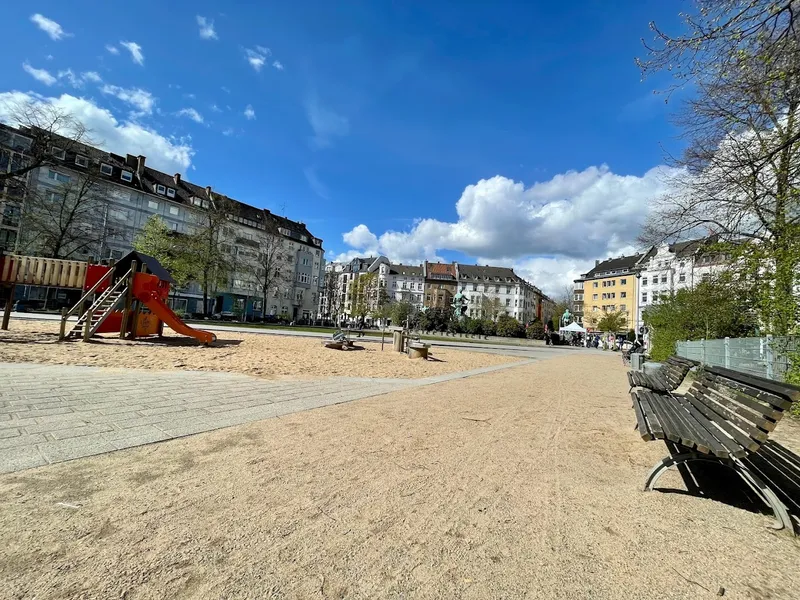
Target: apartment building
{"type": "Point", "coordinates": [402, 283]}
{"type": "Point", "coordinates": [13, 146]}
{"type": "Point", "coordinates": [126, 193]}
{"type": "Point", "coordinates": [441, 283]}
{"type": "Point", "coordinates": [667, 268]}
{"type": "Point", "coordinates": [610, 287]}
{"type": "Point", "coordinates": [499, 290]}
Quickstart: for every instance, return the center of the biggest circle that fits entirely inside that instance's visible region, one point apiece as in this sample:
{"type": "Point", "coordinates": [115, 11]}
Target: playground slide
{"type": "Point", "coordinates": [164, 312]}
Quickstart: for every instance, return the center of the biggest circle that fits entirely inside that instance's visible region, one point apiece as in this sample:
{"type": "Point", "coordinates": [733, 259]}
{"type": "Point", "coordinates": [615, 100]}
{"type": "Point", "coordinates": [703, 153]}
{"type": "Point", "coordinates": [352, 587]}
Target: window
{"type": "Point", "coordinates": [106, 169]}
{"type": "Point", "coordinates": [305, 261]}
{"type": "Point", "coordinates": [644, 296]}
{"type": "Point", "coordinates": [623, 307]}
{"type": "Point", "coordinates": [474, 287]}
{"type": "Point", "coordinates": [170, 193]}
{"type": "Point", "coordinates": [173, 210]}
{"type": "Point", "coordinates": [497, 289]}
{"type": "Point", "coordinates": [594, 308]}
{"type": "Point", "coordinates": [152, 204]}
{"type": "Point", "coordinates": [126, 176]}
{"type": "Point", "coordinates": [59, 153]}
{"type": "Point", "coordinates": [508, 301]}
{"type": "Point", "coordinates": [173, 226]}
{"type": "Point", "coordinates": [118, 215]}
{"type": "Point", "coordinates": [604, 283]}
{"type": "Point", "coordinates": [160, 189]}
{"type": "Point", "coordinates": [53, 197]}
{"type": "Point", "coordinates": [508, 289]}
{"type": "Point", "coordinates": [594, 284]}
{"type": "Point", "coordinates": [404, 286]}
{"type": "Point", "coordinates": [644, 280]}
{"type": "Point", "coordinates": [623, 282]}
{"type": "Point", "coordinates": [55, 176]}
{"type": "Point", "coordinates": [663, 279]}
{"type": "Point", "coordinates": [303, 278]}
{"type": "Point", "coordinates": [594, 296]}
{"type": "Point", "coordinates": [682, 277]}
{"type": "Point", "coordinates": [623, 294]}
{"type": "Point", "coordinates": [81, 161]}
{"type": "Point", "coordinates": [11, 215]}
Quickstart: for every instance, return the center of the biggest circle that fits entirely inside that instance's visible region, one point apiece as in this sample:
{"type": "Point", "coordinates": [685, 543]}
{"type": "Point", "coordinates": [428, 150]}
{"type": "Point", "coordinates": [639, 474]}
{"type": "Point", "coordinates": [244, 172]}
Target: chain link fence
{"type": "Point", "coordinates": [763, 356]}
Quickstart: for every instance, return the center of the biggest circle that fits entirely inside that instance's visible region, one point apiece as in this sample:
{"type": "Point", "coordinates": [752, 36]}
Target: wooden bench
{"type": "Point", "coordinates": [724, 417]}
{"type": "Point", "coordinates": [668, 378]}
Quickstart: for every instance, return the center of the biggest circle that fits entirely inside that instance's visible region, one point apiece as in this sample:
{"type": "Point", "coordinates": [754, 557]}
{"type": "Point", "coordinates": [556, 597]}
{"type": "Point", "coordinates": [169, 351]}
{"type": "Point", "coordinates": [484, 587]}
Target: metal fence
{"type": "Point", "coordinates": [762, 356]}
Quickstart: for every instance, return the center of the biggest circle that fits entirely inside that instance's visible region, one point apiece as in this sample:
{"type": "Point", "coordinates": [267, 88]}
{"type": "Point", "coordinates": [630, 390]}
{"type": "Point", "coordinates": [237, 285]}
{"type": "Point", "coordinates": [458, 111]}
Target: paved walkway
{"type": "Point", "coordinates": [52, 413]}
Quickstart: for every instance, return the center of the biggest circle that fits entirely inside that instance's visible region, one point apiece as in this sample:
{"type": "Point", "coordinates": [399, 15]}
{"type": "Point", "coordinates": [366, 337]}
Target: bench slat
{"type": "Point", "coordinates": [739, 437]}
{"type": "Point", "coordinates": [730, 446]}
{"type": "Point", "coordinates": [653, 423]}
{"type": "Point", "coordinates": [787, 393]}
{"type": "Point", "coordinates": [764, 409]}
{"type": "Point", "coordinates": [709, 438]}
{"type": "Point", "coordinates": [641, 421]}
{"type": "Point", "coordinates": [670, 430]}
{"type": "Point", "coordinates": [715, 402]}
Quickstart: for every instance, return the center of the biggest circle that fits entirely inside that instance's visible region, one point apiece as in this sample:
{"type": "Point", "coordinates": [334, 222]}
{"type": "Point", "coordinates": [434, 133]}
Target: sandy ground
{"type": "Point", "coordinates": [261, 355]}
{"type": "Point", "coordinates": [518, 484]}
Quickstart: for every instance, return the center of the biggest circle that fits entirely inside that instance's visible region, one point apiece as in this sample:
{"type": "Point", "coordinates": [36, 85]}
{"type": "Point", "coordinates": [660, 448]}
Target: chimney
{"type": "Point", "coordinates": [140, 165]}
{"type": "Point", "coordinates": [130, 161]}
{"type": "Point", "coordinates": [208, 191]}
{"type": "Point", "coordinates": [596, 262]}
{"type": "Point", "coordinates": [177, 178]}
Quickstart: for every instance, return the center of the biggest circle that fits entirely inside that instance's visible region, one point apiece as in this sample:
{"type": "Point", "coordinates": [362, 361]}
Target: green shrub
{"type": "Point", "coordinates": [472, 326]}
{"type": "Point", "coordinates": [535, 331]}
{"type": "Point", "coordinates": [509, 327]}
{"type": "Point", "coordinates": [488, 327]}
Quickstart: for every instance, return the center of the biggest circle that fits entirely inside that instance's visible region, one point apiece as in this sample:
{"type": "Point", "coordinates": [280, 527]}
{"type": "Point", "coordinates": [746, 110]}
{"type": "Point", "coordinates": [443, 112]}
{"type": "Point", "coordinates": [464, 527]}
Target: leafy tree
{"type": "Point", "coordinates": [738, 177]}
{"type": "Point", "coordinates": [213, 265]}
{"type": "Point", "coordinates": [472, 326]}
{"type": "Point", "coordinates": [400, 312]}
{"type": "Point", "coordinates": [509, 327]}
{"type": "Point", "coordinates": [535, 331]}
{"type": "Point", "coordinates": [612, 322]}
{"type": "Point", "coordinates": [156, 239]}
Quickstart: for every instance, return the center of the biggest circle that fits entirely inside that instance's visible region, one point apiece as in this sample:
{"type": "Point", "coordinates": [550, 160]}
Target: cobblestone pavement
{"type": "Point", "coordinates": [52, 413]}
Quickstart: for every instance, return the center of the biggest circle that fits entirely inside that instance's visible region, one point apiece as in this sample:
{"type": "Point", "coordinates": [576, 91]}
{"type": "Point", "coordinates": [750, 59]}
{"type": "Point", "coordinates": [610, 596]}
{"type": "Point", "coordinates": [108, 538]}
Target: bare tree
{"type": "Point", "coordinates": [212, 263]}
{"type": "Point", "coordinates": [271, 271]}
{"type": "Point", "coordinates": [48, 127]}
{"type": "Point", "coordinates": [66, 219]}
{"type": "Point", "coordinates": [332, 293]}
{"type": "Point", "coordinates": [739, 178]}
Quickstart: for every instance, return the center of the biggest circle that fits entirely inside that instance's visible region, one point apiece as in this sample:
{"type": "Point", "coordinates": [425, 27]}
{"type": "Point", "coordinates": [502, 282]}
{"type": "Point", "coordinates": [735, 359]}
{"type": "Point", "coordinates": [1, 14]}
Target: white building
{"type": "Point", "coordinates": [510, 293]}
{"type": "Point", "coordinates": [665, 269]}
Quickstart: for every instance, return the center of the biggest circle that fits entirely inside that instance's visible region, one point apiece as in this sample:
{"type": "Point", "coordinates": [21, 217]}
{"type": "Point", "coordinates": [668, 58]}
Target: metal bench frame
{"type": "Point", "coordinates": [724, 417]}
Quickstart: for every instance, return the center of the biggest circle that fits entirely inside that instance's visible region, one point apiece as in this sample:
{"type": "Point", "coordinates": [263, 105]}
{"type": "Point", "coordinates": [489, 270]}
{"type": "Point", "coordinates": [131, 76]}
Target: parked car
{"type": "Point", "coordinates": [225, 315]}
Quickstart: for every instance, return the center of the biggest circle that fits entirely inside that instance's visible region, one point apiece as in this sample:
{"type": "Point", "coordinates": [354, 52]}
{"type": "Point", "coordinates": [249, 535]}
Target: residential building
{"type": "Point", "coordinates": [441, 282]}
{"type": "Point", "coordinates": [495, 290]}
{"type": "Point", "coordinates": [402, 283]}
{"type": "Point", "coordinates": [126, 193]}
{"type": "Point", "coordinates": [577, 301]}
{"type": "Point", "coordinates": [667, 268]}
{"type": "Point", "coordinates": [13, 145]}
{"type": "Point", "coordinates": [610, 287]}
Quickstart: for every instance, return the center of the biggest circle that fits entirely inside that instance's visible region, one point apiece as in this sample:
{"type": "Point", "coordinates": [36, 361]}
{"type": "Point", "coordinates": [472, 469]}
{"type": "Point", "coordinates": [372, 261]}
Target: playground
{"type": "Point", "coordinates": [251, 354]}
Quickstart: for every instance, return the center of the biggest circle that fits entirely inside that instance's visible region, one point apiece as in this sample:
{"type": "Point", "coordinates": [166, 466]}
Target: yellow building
{"type": "Point", "coordinates": [610, 287]}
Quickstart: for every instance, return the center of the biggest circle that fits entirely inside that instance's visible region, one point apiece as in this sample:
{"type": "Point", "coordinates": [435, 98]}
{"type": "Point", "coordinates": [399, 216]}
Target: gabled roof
{"type": "Point", "coordinates": [410, 270]}
{"type": "Point", "coordinates": [440, 270]}
{"type": "Point", "coordinates": [487, 273]}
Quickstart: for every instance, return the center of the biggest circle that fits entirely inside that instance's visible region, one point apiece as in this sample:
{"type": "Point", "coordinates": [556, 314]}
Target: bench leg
{"type": "Point", "coordinates": [782, 518]}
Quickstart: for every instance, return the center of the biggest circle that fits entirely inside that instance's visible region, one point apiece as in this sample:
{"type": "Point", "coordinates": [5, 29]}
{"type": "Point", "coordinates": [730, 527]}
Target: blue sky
{"type": "Point", "coordinates": [514, 133]}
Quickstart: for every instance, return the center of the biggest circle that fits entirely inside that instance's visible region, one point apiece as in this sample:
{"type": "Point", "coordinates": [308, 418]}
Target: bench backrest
{"type": "Point", "coordinates": [674, 370]}
{"type": "Point", "coordinates": [747, 408]}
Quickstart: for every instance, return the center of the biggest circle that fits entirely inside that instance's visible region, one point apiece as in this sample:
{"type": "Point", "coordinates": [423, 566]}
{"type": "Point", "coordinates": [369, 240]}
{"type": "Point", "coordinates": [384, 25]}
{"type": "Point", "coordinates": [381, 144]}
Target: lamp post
{"type": "Point", "coordinates": [636, 296]}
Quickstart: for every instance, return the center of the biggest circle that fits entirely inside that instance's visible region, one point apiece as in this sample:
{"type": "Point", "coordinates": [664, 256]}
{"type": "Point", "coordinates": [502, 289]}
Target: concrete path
{"type": "Point", "coordinates": [52, 413]}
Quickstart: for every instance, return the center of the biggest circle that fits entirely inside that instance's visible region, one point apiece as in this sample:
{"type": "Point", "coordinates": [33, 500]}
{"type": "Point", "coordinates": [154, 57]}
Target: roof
{"type": "Point", "coordinates": [123, 264]}
{"type": "Point", "coordinates": [440, 270]}
{"type": "Point", "coordinates": [412, 270]}
{"type": "Point", "coordinates": [619, 264]}
{"type": "Point", "coordinates": [483, 273]}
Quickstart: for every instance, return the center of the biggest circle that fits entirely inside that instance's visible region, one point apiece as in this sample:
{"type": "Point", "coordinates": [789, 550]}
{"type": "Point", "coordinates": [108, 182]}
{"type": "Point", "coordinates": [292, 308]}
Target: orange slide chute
{"type": "Point", "coordinates": [164, 312]}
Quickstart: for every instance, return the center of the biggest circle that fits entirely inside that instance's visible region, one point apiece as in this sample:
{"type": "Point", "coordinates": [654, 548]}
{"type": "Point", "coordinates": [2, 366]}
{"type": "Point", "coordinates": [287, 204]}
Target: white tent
{"type": "Point", "coordinates": [572, 327]}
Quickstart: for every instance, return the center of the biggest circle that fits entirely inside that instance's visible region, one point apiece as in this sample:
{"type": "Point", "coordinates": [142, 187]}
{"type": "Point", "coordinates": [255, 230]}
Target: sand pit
{"type": "Point", "coordinates": [519, 484]}
{"type": "Point", "coordinates": [252, 354]}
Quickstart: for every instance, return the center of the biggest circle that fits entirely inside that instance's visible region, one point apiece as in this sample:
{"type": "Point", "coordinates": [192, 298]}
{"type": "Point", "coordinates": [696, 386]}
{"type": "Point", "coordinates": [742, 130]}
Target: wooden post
{"type": "Point", "coordinates": [126, 311]}
{"type": "Point", "coordinates": [63, 331]}
{"type": "Point", "coordinates": [7, 311]}
{"type": "Point", "coordinates": [87, 326]}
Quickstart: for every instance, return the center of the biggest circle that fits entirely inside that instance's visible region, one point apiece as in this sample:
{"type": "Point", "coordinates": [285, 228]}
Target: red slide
{"type": "Point", "coordinates": [164, 312]}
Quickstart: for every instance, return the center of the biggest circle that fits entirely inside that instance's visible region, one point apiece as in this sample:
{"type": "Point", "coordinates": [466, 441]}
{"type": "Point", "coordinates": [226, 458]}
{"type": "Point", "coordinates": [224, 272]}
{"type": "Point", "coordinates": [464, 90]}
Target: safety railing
{"type": "Point", "coordinates": [762, 356]}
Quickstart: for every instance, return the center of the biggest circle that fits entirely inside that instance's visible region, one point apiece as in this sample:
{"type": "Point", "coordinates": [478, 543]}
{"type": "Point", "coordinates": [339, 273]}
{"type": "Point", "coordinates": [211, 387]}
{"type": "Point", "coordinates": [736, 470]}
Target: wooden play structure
{"type": "Point", "coordinates": [127, 297]}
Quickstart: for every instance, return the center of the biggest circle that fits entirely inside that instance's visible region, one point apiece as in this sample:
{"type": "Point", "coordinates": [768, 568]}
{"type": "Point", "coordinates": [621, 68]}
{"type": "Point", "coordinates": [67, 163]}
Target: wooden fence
{"type": "Point", "coordinates": [34, 270]}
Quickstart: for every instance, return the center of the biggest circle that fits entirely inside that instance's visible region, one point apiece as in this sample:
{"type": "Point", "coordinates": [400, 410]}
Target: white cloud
{"type": "Point", "coordinates": [226, 90]}
{"type": "Point", "coordinates": [319, 188]}
{"type": "Point", "coordinates": [141, 99]}
{"type": "Point", "coordinates": [121, 137]}
{"type": "Point", "coordinates": [278, 65]}
{"type": "Point", "coordinates": [249, 113]}
{"type": "Point", "coordinates": [215, 108]}
{"type": "Point", "coordinates": [78, 81]}
{"type": "Point", "coordinates": [228, 132]}
{"type": "Point", "coordinates": [207, 31]}
{"type": "Point", "coordinates": [50, 27]}
{"type": "Point", "coordinates": [257, 57]}
{"type": "Point", "coordinates": [49, 57]}
{"type": "Point", "coordinates": [325, 123]}
{"type": "Point", "coordinates": [92, 76]}
{"type": "Point", "coordinates": [559, 226]}
{"type": "Point", "coordinates": [135, 50]}
{"type": "Point", "coordinates": [112, 49]}
{"type": "Point", "coordinates": [40, 75]}
{"type": "Point", "coordinates": [191, 113]}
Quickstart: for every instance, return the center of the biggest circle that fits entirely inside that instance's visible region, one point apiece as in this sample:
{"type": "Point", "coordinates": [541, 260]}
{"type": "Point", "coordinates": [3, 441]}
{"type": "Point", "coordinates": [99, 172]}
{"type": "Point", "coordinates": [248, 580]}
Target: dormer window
{"type": "Point", "coordinates": [126, 176]}
{"type": "Point", "coordinates": [160, 189]}
{"type": "Point", "coordinates": [106, 169]}
{"type": "Point", "coordinates": [58, 153]}
{"type": "Point", "coordinates": [170, 193]}
{"type": "Point", "coordinates": [81, 161]}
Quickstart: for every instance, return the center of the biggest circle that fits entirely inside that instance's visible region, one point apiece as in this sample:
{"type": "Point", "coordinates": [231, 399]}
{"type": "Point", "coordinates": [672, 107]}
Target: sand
{"type": "Point", "coordinates": [270, 356]}
{"type": "Point", "coordinates": [524, 483]}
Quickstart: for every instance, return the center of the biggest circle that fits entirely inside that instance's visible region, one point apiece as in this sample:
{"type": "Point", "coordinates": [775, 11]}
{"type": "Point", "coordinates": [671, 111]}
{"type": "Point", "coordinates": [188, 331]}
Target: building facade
{"type": "Point", "coordinates": [610, 287]}
{"type": "Point", "coordinates": [117, 195]}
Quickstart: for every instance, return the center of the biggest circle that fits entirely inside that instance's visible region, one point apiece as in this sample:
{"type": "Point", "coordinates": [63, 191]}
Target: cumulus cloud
{"type": "Point", "coordinates": [559, 226]}
{"type": "Point", "coordinates": [50, 27]}
{"type": "Point", "coordinates": [249, 113]}
{"type": "Point", "coordinates": [40, 75]}
{"type": "Point", "coordinates": [114, 135]}
{"type": "Point", "coordinates": [207, 31]}
{"type": "Point", "coordinates": [257, 56]}
{"type": "Point", "coordinates": [190, 113]}
{"type": "Point", "coordinates": [78, 80]}
{"type": "Point", "coordinates": [92, 76]}
{"type": "Point", "coordinates": [140, 99]}
{"type": "Point", "coordinates": [136, 51]}
{"type": "Point", "coordinates": [325, 123]}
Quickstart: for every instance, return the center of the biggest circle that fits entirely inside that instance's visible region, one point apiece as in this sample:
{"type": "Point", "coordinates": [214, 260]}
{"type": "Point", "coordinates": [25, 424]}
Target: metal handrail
{"type": "Point", "coordinates": [91, 291]}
